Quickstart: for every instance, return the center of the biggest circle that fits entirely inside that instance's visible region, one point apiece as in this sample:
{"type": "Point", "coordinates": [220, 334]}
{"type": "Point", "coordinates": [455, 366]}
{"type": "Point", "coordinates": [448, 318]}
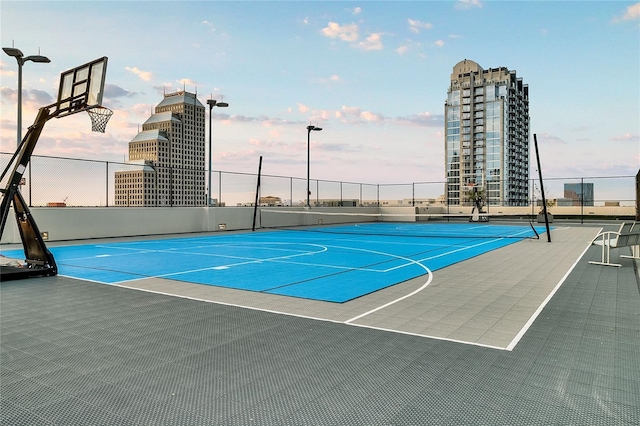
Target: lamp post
{"type": "Point", "coordinates": [212, 103]}
{"type": "Point", "coordinates": [310, 128]}
{"type": "Point", "coordinates": [16, 53]}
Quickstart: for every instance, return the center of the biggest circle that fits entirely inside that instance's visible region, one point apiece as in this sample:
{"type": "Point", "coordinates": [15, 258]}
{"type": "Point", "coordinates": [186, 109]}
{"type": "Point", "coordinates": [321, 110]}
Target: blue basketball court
{"type": "Point", "coordinates": [334, 264]}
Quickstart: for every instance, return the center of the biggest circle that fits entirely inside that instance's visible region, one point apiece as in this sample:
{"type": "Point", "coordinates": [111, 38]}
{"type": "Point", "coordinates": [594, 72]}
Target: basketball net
{"type": "Point", "coordinates": [99, 118]}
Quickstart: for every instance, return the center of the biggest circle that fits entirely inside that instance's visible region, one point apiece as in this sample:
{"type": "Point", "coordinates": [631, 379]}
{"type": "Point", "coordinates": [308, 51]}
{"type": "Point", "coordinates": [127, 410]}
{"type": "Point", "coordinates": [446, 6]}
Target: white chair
{"type": "Point", "coordinates": [627, 236]}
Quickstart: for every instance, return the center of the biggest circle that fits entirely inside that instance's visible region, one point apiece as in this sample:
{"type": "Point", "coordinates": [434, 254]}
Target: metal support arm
{"type": "Point", "coordinates": [38, 258]}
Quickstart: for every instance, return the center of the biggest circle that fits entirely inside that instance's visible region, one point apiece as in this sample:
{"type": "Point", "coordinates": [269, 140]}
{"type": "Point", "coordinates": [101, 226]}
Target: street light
{"type": "Point", "coordinates": [16, 53]}
{"type": "Point", "coordinates": [212, 103]}
{"type": "Point", "coordinates": [309, 130]}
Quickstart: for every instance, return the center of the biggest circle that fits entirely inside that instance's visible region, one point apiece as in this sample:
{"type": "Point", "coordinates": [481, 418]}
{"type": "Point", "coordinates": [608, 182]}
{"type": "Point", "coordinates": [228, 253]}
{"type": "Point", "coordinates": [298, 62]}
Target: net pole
{"type": "Point", "coordinates": [544, 200]}
{"type": "Point", "coordinates": [255, 206]}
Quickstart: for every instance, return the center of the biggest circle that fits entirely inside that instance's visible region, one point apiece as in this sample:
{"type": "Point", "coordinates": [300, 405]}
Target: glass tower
{"type": "Point", "coordinates": [487, 135]}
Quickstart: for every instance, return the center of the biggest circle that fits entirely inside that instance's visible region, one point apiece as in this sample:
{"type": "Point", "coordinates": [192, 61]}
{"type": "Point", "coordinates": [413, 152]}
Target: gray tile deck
{"type": "Point", "coordinates": [80, 353]}
{"type": "Point", "coordinates": [486, 300]}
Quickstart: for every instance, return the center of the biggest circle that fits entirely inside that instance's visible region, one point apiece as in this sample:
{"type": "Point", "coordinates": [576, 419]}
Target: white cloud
{"type": "Point", "coordinates": [357, 10]}
{"type": "Point", "coordinates": [402, 50]}
{"type": "Point", "coordinates": [415, 25]}
{"type": "Point", "coordinates": [371, 116]}
{"type": "Point", "coordinates": [321, 115]}
{"type": "Point", "coordinates": [627, 137]}
{"type": "Point", "coordinates": [424, 119]}
{"type": "Point", "coordinates": [144, 75]}
{"type": "Point", "coordinates": [373, 42]}
{"type": "Point", "coordinates": [468, 4]}
{"type": "Point", "coordinates": [187, 82]}
{"type": "Point", "coordinates": [632, 13]}
{"type": "Point", "coordinates": [355, 114]}
{"type": "Point", "coordinates": [353, 111]}
{"type": "Point", "coordinates": [439, 43]}
{"type": "Point", "coordinates": [328, 80]}
{"type": "Point", "coordinates": [552, 139]}
{"type": "Point", "coordinates": [348, 32]}
{"type": "Point", "coordinates": [7, 73]}
{"type": "Point", "coordinates": [209, 25]}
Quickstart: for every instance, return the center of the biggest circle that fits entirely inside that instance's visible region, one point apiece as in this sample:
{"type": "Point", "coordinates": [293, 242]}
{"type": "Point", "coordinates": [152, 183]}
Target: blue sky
{"type": "Point", "coordinates": [373, 74]}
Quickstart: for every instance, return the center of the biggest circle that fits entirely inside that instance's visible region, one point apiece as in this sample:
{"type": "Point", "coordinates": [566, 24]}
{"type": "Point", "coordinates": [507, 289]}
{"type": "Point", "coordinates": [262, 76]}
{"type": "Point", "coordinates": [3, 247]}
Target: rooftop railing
{"type": "Point", "coordinates": [59, 181]}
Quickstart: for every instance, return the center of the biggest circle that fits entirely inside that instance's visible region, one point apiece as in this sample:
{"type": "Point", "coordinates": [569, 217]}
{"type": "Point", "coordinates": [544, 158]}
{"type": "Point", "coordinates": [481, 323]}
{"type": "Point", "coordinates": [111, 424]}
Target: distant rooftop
{"type": "Point", "coordinates": [160, 117]}
{"type": "Point", "coordinates": [179, 98]}
{"type": "Point", "coordinates": [136, 165]}
{"type": "Point", "coordinates": [149, 135]}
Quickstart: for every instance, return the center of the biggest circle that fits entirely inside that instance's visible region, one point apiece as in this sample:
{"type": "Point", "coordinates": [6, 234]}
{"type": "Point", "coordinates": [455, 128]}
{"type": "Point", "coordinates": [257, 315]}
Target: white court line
{"type": "Point", "coordinates": [350, 321]}
{"type": "Point", "coordinates": [285, 259]}
{"type": "Point", "coordinates": [425, 285]}
{"type": "Point", "coordinates": [533, 317]}
{"type": "Point", "coordinates": [192, 253]}
{"type": "Point", "coordinates": [290, 314]}
{"type": "Point", "coordinates": [460, 249]}
{"type": "Point", "coordinates": [422, 287]}
{"type": "Point", "coordinates": [247, 262]}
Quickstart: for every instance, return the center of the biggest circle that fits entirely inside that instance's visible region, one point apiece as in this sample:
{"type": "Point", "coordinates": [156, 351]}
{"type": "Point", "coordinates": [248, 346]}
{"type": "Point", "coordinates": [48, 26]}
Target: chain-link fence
{"type": "Point", "coordinates": [57, 181]}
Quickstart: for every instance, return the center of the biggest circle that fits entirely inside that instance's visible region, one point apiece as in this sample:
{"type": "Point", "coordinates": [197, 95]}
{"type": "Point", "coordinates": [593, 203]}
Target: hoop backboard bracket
{"type": "Point", "coordinates": [81, 88]}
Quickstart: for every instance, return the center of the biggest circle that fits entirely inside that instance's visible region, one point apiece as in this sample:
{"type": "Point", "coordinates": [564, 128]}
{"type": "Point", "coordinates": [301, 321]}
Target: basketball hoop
{"type": "Point", "coordinates": [99, 118]}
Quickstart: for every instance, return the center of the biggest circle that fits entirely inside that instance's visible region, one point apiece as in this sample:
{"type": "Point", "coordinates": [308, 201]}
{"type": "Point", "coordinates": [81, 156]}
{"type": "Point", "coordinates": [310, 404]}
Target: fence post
{"type": "Point", "coordinates": [106, 198]}
{"type": "Point", "coordinates": [220, 188]}
{"type": "Point", "coordinates": [581, 201]}
{"type": "Point", "coordinates": [30, 187]}
{"type": "Point", "coordinates": [533, 197]}
{"type": "Point", "coordinates": [413, 194]}
{"type": "Point", "coordinates": [638, 196]}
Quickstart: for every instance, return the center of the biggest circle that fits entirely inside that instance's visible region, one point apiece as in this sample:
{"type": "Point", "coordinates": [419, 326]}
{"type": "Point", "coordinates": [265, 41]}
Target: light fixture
{"type": "Point", "coordinates": [21, 59]}
{"type": "Point", "coordinates": [310, 128]}
{"type": "Point", "coordinates": [212, 103]}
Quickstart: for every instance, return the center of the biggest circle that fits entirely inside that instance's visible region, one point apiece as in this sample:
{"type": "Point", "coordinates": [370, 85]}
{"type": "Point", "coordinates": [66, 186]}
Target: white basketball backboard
{"type": "Point", "coordinates": [81, 88]}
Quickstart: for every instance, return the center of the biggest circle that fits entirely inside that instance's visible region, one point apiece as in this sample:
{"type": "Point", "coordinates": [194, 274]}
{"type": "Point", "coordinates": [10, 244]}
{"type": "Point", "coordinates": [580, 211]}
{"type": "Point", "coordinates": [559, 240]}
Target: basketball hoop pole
{"type": "Point", "coordinates": [81, 88]}
{"type": "Point", "coordinates": [35, 249]}
{"type": "Point", "coordinates": [22, 158]}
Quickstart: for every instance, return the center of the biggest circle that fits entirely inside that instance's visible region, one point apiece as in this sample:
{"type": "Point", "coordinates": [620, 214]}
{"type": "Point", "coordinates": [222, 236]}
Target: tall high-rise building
{"type": "Point", "coordinates": [167, 158]}
{"type": "Point", "coordinates": [487, 135]}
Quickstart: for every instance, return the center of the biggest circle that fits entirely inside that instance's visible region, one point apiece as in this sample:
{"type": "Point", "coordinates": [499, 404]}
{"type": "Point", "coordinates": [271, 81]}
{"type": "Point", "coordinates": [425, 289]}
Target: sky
{"type": "Point", "coordinates": [373, 74]}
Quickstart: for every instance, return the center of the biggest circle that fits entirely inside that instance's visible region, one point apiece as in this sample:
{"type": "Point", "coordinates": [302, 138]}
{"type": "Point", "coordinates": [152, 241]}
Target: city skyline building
{"type": "Point", "coordinates": [486, 135]}
{"type": "Point", "coordinates": [579, 193]}
{"type": "Point", "coordinates": [167, 158]}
